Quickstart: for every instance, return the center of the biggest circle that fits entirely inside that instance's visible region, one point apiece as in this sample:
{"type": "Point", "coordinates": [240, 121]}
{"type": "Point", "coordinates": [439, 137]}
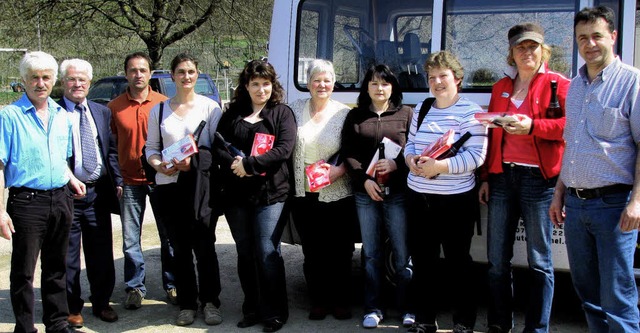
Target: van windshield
{"type": "Point", "coordinates": [355, 34]}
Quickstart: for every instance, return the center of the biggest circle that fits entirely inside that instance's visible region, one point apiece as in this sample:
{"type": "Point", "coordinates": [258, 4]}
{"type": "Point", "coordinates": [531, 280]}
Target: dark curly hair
{"type": "Point", "coordinates": [384, 73]}
{"type": "Point", "coordinates": [257, 69]}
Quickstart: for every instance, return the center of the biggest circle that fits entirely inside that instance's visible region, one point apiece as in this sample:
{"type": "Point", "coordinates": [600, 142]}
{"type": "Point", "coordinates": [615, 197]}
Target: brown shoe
{"type": "Point", "coordinates": [107, 314]}
{"type": "Point", "coordinates": [75, 320]}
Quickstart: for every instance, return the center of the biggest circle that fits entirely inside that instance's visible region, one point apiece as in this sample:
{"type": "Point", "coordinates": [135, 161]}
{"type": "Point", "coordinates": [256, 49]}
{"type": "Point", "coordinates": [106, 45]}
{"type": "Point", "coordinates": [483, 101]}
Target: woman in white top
{"type": "Point", "coordinates": [323, 218]}
{"type": "Point", "coordinates": [189, 234]}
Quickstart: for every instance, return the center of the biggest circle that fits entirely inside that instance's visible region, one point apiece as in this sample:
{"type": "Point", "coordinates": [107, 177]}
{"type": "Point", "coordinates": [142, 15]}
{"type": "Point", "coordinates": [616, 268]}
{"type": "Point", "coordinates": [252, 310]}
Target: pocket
{"type": "Point", "coordinates": [607, 122]}
{"type": "Point", "coordinates": [19, 199]}
{"type": "Point", "coordinates": [616, 199]}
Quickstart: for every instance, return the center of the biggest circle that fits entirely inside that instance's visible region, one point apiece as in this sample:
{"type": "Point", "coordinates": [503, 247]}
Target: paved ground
{"type": "Point", "coordinates": [158, 316]}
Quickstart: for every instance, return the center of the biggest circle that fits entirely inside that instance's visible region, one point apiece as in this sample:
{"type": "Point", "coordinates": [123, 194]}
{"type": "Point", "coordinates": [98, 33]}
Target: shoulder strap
{"type": "Point", "coordinates": [160, 122]}
{"type": "Point", "coordinates": [424, 109]}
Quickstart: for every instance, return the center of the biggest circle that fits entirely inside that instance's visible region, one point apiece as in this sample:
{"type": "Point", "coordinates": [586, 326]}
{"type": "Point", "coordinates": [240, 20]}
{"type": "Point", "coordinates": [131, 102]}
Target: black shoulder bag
{"type": "Point", "coordinates": [149, 171]}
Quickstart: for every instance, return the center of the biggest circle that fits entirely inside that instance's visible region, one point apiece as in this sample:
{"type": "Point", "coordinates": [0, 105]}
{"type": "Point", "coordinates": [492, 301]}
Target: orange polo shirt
{"type": "Point", "coordinates": [129, 125]}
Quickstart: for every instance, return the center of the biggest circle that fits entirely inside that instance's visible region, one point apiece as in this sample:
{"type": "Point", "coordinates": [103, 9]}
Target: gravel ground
{"type": "Point", "coordinates": [156, 315]}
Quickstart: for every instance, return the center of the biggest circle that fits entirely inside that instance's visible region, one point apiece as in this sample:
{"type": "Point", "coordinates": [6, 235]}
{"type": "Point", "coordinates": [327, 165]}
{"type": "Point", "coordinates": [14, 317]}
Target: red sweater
{"type": "Point", "coordinates": [547, 133]}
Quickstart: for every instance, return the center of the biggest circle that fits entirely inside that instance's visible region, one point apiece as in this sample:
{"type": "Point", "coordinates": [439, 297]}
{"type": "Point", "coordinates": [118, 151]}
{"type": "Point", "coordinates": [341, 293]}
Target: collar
{"type": "Point", "coordinates": [604, 74]}
{"type": "Point", "coordinates": [71, 105]}
{"type": "Point", "coordinates": [132, 99]}
{"type": "Point", "coordinates": [25, 105]}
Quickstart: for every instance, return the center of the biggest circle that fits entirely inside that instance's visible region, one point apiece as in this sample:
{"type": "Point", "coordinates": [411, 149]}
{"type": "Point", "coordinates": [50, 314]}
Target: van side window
{"type": "Point", "coordinates": [477, 33]}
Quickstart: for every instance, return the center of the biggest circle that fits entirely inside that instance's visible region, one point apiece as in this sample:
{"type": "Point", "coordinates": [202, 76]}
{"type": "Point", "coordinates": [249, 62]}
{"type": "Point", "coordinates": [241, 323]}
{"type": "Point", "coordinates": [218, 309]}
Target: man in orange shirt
{"type": "Point", "coordinates": [130, 113]}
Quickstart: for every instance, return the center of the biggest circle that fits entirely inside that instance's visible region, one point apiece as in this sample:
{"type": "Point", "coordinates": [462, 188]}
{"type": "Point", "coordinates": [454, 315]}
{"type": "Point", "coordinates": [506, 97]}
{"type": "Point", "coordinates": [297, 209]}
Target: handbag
{"type": "Point", "coordinates": [149, 171]}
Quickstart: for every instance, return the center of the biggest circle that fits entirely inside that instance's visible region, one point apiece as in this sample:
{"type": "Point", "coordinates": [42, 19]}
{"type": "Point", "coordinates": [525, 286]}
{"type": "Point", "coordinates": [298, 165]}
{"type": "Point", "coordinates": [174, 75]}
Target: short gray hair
{"type": "Point", "coordinates": [79, 64]}
{"type": "Point", "coordinates": [38, 61]}
{"type": "Point", "coordinates": [320, 66]}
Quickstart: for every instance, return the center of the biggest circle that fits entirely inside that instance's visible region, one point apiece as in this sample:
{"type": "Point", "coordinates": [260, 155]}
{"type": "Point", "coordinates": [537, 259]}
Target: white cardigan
{"type": "Point", "coordinates": [329, 137]}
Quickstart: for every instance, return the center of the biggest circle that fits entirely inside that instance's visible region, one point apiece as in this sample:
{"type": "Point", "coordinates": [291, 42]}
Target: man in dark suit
{"type": "Point", "coordinates": [94, 162]}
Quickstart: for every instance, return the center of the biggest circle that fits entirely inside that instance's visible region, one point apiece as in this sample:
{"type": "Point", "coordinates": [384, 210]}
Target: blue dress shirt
{"type": "Point", "coordinates": [33, 157]}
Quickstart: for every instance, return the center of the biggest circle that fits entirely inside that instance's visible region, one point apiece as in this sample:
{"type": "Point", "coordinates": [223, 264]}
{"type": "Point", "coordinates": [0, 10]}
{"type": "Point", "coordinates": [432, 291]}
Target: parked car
{"type": "Point", "coordinates": [107, 88]}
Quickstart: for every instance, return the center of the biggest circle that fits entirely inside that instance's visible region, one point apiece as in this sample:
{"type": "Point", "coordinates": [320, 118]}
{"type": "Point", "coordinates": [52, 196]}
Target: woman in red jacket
{"type": "Point", "coordinates": [523, 163]}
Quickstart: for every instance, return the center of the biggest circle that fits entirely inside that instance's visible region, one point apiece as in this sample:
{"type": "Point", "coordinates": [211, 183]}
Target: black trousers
{"type": "Point", "coordinates": [91, 226]}
{"type": "Point", "coordinates": [190, 237]}
{"type": "Point", "coordinates": [327, 243]}
{"type": "Point", "coordinates": [41, 221]}
{"type": "Point", "coordinates": [447, 221]}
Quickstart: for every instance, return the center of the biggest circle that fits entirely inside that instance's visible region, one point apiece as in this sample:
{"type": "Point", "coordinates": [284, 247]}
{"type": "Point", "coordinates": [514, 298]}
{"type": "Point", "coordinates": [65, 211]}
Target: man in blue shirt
{"type": "Point", "coordinates": [598, 184]}
{"type": "Point", "coordinates": [35, 143]}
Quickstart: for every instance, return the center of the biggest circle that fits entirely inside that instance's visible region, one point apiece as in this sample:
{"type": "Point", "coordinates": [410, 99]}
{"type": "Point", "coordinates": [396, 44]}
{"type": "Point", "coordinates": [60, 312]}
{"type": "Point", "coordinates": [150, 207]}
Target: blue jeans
{"type": "Point", "coordinates": [132, 206]}
{"type": "Point", "coordinates": [377, 219]}
{"type": "Point", "coordinates": [520, 192]}
{"type": "Point", "coordinates": [601, 261]}
{"type": "Point", "coordinates": [257, 230]}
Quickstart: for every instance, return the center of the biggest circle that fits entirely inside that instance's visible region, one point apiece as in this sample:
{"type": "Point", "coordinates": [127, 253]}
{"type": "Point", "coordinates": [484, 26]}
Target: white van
{"type": "Point", "coordinates": [402, 33]}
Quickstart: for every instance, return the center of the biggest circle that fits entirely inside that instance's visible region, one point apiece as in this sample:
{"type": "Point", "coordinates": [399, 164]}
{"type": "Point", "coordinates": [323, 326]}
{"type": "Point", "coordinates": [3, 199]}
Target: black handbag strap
{"type": "Point", "coordinates": [424, 109]}
{"type": "Point", "coordinates": [160, 122]}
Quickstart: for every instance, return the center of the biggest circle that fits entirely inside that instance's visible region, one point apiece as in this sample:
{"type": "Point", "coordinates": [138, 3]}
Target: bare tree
{"type": "Point", "coordinates": [158, 23]}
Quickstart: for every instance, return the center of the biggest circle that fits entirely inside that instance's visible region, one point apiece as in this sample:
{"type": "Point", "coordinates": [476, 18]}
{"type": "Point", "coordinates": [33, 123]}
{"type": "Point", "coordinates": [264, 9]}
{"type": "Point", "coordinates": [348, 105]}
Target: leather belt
{"type": "Point", "coordinates": [592, 193]}
{"type": "Point", "coordinates": [33, 191]}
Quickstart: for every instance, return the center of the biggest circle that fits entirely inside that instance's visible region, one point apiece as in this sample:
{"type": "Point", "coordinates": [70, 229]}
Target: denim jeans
{"type": "Point", "coordinates": [520, 192]}
{"type": "Point", "coordinates": [601, 262]}
{"type": "Point", "coordinates": [442, 221]}
{"type": "Point", "coordinates": [257, 230]}
{"type": "Point", "coordinates": [42, 224]}
{"type": "Point", "coordinates": [132, 206]}
{"type": "Point", "coordinates": [377, 219]}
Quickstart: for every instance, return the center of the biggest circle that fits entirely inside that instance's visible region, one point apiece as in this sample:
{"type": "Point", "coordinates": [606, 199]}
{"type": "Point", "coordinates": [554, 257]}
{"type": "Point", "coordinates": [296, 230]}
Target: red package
{"type": "Point", "coordinates": [262, 143]}
{"type": "Point", "coordinates": [317, 176]}
{"type": "Point", "coordinates": [441, 145]}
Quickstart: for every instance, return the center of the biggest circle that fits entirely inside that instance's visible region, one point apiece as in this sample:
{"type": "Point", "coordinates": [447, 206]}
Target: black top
{"type": "Point", "coordinates": [269, 180]}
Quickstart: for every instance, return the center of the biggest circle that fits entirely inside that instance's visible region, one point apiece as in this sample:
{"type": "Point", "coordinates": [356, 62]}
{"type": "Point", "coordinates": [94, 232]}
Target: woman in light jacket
{"type": "Point", "coordinates": [189, 234]}
{"type": "Point", "coordinates": [323, 218]}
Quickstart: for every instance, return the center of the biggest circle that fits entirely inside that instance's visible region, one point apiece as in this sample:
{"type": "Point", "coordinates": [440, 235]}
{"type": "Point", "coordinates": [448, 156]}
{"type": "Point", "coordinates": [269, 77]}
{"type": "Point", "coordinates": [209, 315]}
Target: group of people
{"type": "Point", "coordinates": [69, 164]}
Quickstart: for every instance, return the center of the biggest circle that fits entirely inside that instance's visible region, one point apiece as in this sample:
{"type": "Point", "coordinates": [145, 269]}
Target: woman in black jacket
{"type": "Point", "coordinates": [380, 114]}
{"type": "Point", "coordinates": [255, 188]}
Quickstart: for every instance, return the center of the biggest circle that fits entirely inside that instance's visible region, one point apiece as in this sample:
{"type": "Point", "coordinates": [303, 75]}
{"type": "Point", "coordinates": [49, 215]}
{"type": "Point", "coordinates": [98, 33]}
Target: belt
{"type": "Point", "coordinates": [90, 184]}
{"type": "Point", "coordinates": [592, 193]}
{"type": "Point", "coordinates": [33, 191]}
{"type": "Point", "coordinates": [514, 165]}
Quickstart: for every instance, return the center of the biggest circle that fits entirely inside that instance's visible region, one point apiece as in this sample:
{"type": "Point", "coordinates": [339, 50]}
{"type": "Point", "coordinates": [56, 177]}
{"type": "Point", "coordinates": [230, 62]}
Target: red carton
{"type": "Point", "coordinates": [317, 176]}
{"type": "Point", "coordinates": [438, 147]}
{"type": "Point", "coordinates": [262, 143]}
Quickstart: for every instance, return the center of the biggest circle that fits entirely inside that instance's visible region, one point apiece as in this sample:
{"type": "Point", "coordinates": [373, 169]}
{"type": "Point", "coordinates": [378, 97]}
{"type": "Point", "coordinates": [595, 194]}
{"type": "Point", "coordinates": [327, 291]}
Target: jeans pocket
{"type": "Point", "coordinates": [616, 199]}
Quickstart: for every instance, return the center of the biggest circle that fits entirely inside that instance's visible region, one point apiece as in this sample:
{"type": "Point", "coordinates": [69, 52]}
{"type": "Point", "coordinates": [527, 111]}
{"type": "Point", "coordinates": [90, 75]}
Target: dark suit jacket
{"type": "Point", "coordinates": [108, 150]}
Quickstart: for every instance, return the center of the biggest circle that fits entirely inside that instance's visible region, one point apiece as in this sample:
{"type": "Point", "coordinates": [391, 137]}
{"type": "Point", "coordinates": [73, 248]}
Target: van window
{"type": "Point", "coordinates": [476, 31]}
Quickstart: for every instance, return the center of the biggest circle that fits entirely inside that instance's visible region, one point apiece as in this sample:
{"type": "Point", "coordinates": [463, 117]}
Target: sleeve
{"type": "Point", "coordinates": [399, 160]}
{"type": "Point", "coordinates": [552, 129]}
{"type": "Point", "coordinates": [5, 138]}
{"type": "Point", "coordinates": [224, 127]}
{"type": "Point", "coordinates": [153, 132]}
{"type": "Point", "coordinates": [350, 149]}
{"type": "Point", "coordinates": [410, 147]}
{"type": "Point", "coordinates": [474, 151]}
{"type": "Point", "coordinates": [285, 139]}
{"type": "Point", "coordinates": [112, 152]}
{"type": "Point", "coordinates": [212, 125]}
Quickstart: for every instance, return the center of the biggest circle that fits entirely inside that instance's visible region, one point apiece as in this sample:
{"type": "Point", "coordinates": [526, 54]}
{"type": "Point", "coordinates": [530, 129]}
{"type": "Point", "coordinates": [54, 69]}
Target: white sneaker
{"type": "Point", "coordinates": [408, 319]}
{"type": "Point", "coordinates": [371, 320]}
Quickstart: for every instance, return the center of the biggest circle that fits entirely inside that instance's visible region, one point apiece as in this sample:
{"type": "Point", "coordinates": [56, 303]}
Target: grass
{"type": "Point", "coordinates": [8, 97]}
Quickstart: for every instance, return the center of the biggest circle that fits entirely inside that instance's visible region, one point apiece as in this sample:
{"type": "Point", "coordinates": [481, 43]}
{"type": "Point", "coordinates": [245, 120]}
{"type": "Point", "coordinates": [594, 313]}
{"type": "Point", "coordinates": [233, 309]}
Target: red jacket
{"type": "Point", "coordinates": [547, 133]}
